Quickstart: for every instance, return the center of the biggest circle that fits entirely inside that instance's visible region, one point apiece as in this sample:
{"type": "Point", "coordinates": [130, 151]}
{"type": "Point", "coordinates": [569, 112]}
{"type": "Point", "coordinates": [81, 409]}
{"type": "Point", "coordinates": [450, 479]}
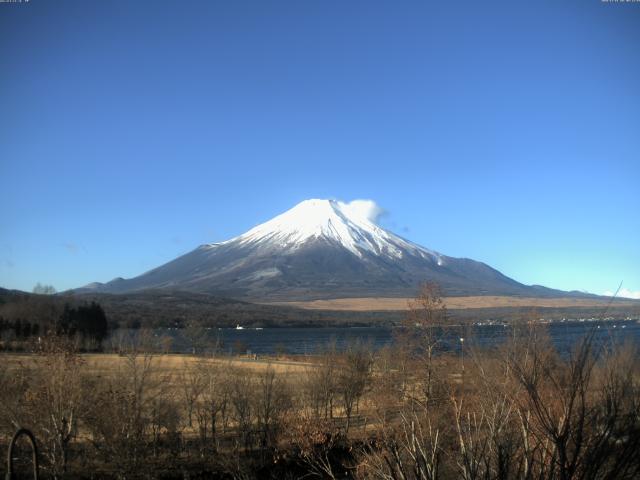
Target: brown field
{"type": "Point", "coordinates": [168, 364]}
{"type": "Point", "coordinates": [394, 304]}
{"type": "Point", "coordinates": [182, 416]}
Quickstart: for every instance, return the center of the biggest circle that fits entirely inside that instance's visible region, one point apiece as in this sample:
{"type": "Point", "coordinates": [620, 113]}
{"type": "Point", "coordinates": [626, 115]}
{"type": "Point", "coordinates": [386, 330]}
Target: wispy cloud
{"type": "Point", "coordinates": [73, 248]}
{"type": "Point", "coordinates": [624, 293]}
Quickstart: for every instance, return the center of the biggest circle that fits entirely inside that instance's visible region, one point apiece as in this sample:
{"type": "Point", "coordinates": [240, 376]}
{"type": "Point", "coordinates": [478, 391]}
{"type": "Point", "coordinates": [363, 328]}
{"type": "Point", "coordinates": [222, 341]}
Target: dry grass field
{"type": "Point", "coordinates": [394, 304]}
{"type": "Point", "coordinates": [172, 365]}
{"type": "Point", "coordinates": [358, 414]}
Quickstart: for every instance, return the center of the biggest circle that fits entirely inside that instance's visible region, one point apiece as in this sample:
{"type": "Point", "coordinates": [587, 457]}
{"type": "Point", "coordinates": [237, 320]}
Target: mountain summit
{"type": "Point", "coordinates": [331, 221]}
{"type": "Point", "coordinates": [320, 249]}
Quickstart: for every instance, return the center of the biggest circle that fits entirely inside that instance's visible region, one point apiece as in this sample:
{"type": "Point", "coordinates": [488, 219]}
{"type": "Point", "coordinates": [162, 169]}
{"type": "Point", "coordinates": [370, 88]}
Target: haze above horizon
{"type": "Point", "coordinates": [131, 133]}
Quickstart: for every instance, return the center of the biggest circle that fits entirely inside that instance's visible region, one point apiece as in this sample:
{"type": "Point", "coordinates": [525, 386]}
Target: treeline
{"type": "Point", "coordinates": [33, 317]}
{"type": "Point", "coordinates": [162, 309]}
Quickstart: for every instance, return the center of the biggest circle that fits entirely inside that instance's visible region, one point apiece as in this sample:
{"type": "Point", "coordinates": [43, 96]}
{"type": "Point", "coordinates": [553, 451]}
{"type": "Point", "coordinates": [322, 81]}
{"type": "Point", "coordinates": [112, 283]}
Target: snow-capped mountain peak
{"type": "Point", "coordinates": [333, 221]}
{"type": "Point", "coordinates": [320, 249]}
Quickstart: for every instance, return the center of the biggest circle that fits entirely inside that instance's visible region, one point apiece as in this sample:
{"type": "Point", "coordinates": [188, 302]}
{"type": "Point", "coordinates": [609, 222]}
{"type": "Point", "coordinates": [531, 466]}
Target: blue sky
{"type": "Point", "coordinates": [507, 132]}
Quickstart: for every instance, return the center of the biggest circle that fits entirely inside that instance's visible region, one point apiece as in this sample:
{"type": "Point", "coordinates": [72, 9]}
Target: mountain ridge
{"type": "Point", "coordinates": [321, 249]}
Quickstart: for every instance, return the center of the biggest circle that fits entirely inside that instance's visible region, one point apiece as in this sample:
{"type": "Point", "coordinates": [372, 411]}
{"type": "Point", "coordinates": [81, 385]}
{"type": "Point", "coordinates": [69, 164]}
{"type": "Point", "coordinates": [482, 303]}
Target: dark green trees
{"type": "Point", "coordinates": [85, 320]}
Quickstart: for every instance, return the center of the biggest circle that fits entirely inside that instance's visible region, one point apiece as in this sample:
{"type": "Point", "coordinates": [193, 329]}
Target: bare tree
{"type": "Point", "coordinates": [408, 449]}
{"type": "Point", "coordinates": [387, 386]}
{"type": "Point", "coordinates": [57, 400]}
{"type": "Point", "coordinates": [353, 377]}
{"type": "Point", "coordinates": [316, 442]}
{"type": "Point", "coordinates": [212, 402]}
{"type": "Point", "coordinates": [192, 384]}
{"type": "Point", "coordinates": [196, 336]}
{"type": "Point", "coordinates": [420, 334]}
{"type": "Point", "coordinates": [273, 401]}
{"type": "Point", "coordinates": [319, 383]}
{"type": "Point", "coordinates": [16, 383]}
{"type": "Point", "coordinates": [164, 421]}
{"type": "Point", "coordinates": [44, 289]}
{"type": "Point", "coordinates": [579, 417]}
{"type": "Point", "coordinates": [240, 399]}
{"type": "Point", "coordinates": [121, 417]}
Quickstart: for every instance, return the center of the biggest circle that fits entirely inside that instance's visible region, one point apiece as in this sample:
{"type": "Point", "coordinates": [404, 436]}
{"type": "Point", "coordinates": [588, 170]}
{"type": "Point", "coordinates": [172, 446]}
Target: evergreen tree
{"type": "Point", "coordinates": [86, 320]}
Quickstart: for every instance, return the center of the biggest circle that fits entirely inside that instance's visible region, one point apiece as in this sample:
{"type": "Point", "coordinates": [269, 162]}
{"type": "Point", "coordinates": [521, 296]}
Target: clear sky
{"type": "Point", "coordinates": [503, 131]}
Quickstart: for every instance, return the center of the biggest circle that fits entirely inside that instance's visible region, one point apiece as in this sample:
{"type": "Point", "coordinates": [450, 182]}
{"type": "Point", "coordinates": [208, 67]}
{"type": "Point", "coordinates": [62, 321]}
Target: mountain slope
{"type": "Point", "coordinates": [320, 249]}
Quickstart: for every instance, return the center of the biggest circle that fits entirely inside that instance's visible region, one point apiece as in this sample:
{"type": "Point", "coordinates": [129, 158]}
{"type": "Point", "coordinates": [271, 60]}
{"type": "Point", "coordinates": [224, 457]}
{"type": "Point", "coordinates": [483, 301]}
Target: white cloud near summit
{"type": "Point", "coordinates": [365, 209]}
{"type": "Point", "coordinates": [624, 293]}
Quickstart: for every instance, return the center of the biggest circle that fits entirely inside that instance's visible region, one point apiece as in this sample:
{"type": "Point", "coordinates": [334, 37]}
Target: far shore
{"type": "Point", "coordinates": [454, 303]}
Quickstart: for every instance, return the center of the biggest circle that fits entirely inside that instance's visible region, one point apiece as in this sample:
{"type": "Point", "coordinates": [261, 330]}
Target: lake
{"type": "Point", "coordinates": [302, 341]}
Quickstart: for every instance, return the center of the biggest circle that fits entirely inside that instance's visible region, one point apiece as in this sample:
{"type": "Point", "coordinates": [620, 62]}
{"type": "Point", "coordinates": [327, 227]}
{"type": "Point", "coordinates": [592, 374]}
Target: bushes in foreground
{"type": "Point", "coordinates": [518, 411]}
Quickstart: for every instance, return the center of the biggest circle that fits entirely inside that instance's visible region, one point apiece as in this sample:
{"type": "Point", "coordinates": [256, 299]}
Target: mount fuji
{"type": "Point", "coordinates": [320, 249]}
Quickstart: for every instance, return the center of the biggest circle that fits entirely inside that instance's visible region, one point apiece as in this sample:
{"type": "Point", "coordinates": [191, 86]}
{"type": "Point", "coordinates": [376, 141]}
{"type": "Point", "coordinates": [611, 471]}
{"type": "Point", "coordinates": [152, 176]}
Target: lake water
{"type": "Point", "coordinates": [303, 341]}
